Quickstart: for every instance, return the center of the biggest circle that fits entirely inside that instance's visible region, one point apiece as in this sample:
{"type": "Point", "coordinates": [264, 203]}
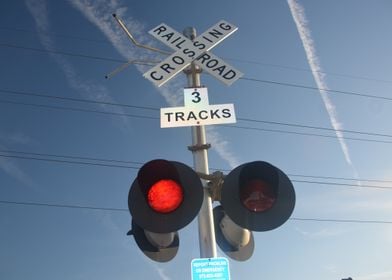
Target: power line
{"type": "Point", "coordinates": [342, 184]}
{"type": "Point", "coordinates": [308, 70]}
{"type": "Point", "coordinates": [68, 161]}
{"type": "Point", "coordinates": [233, 126]}
{"type": "Point", "coordinates": [101, 41]}
{"type": "Point", "coordinates": [112, 209]}
{"type": "Point", "coordinates": [56, 35]}
{"type": "Point", "coordinates": [71, 157]}
{"type": "Point", "coordinates": [78, 109]}
{"type": "Point", "coordinates": [63, 206]}
{"type": "Point", "coordinates": [357, 94]}
{"type": "Point", "coordinates": [357, 221]}
{"type": "Point", "coordinates": [72, 54]}
{"type": "Point", "coordinates": [341, 178]}
{"type": "Point", "coordinates": [307, 134]}
{"type": "Point", "coordinates": [26, 93]}
{"type": "Point", "coordinates": [29, 93]}
{"type": "Point", "coordinates": [315, 127]}
{"type": "Point", "coordinates": [228, 126]}
{"type": "Point", "coordinates": [141, 163]}
{"type": "Point", "coordinates": [44, 157]}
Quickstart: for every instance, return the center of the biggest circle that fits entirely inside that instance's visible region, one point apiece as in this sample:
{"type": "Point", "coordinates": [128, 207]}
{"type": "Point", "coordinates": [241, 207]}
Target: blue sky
{"type": "Point", "coordinates": [343, 46]}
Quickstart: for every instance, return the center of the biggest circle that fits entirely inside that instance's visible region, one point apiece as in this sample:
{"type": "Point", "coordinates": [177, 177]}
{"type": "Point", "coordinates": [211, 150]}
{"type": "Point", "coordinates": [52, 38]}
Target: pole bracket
{"type": "Point", "coordinates": [199, 147]}
{"type": "Point", "coordinates": [215, 183]}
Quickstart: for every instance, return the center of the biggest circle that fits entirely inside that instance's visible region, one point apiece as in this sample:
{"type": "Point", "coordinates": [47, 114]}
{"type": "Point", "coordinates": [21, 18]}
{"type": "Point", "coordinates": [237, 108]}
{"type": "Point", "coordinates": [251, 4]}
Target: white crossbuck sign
{"type": "Point", "coordinates": [196, 51]}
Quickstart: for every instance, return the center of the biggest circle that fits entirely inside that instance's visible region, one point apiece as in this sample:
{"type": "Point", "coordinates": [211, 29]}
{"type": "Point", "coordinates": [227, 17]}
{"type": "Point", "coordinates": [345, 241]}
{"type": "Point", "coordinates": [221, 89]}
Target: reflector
{"type": "Point", "coordinates": [165, 196]}
{"type": "Point", "coordinates": [257, 195]}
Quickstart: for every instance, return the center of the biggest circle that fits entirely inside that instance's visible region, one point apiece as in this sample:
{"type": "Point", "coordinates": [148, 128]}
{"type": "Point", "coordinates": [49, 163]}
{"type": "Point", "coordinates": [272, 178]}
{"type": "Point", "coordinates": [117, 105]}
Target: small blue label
{"type": "Point", "coordinates": [210, 268]}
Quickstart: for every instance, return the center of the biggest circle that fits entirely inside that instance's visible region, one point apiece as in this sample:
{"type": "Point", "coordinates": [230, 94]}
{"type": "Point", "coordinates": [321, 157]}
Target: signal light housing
{"type": "Point", "coordinates": [165, 197]}
{"type": "Point", "coordinates": [237, 243]}
{"type": "Point", "coordinates": [154, 249]}
{"type": "Point", "coordinates": [258, 196]}
{"type": "Point", "coordinates": [255, 196]}
{"type": "Point", "coordinates": [144, 203]}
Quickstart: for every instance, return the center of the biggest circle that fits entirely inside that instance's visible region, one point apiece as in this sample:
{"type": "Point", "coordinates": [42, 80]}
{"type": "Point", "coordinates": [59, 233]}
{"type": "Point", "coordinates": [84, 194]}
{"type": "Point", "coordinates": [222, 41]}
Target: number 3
{"type": "Point", "coordinates": [196, 96]}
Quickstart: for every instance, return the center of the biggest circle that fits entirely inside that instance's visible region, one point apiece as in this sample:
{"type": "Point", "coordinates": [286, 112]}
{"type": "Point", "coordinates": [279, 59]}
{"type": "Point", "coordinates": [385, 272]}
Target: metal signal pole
{"type": "Point", "coordinates": [199, 149]}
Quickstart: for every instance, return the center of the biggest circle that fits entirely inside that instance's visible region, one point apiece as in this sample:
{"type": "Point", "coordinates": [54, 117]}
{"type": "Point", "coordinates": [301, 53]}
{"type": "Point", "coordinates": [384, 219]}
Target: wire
{"type": "Point", "coordinates": [341, 178]}
{"type": "Point", "coordinates": [63, 206]}
{"type": "Point", "coordinates": [342, 184]}
{"type": "Point", "coordinates": [63, 53]}
{"type": "Point", "coordinates": [308, 70]}
{"type": "Point", "coordinates": [307, 134]}
{"type": "Point", "coordinates": [111, 209]}
{"type": "Point", "coordinates": [139, 163]}
{"type": "Point", "coordinates": [26, 93]}
{"type": "Point", "coordinates": [78, 109]}
{"type": "Point", "coordinates": [357, 94]}
{"type": "Point", "coordinates": [341, 220]}
{"type": "Point", "coordinates": [315, 127]}
{"type": "Point", "coordinates": [68, 161]}
{"type": "Point", "coordinates": [56, 35]}
{"type": "Point", "coordinates": [71, 157]}
{"type": "Point", "coordinates": [227, 126]}
{"type": "Point", "coordinates": [157, 109]}
{"type": "Point", "coordinates": [226, 58]}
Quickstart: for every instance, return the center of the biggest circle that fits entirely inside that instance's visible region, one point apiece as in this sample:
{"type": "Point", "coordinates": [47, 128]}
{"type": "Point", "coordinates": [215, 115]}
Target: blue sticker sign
{"type": "Point", "coordinates": [210, 268]}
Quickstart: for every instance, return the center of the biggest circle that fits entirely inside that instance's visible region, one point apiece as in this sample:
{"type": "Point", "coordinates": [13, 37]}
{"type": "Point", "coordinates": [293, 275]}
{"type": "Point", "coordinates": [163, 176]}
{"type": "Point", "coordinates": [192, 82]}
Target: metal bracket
{"type": "Point", "coordinates": [195, 148]}
{"type": "Point", "coordinates": [215, 183]}
{"type": "Point", "coordinates": [137, 44]}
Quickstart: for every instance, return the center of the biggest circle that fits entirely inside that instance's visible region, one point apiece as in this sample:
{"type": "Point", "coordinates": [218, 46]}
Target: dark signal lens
{"type": "Point", "coordinates": [257, 195]}
{"type": "Point", "coordinates": [165, 196]}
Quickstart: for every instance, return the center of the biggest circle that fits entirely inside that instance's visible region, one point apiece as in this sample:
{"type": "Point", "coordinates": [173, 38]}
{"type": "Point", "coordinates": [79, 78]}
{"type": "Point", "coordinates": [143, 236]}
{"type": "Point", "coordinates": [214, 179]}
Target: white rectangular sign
{"type": "Point", "coordinates": [196, 97]}
{"type": "Point", "coordinates": [208, 115]}
{"type": "Point", "coordinates": [187, 50]}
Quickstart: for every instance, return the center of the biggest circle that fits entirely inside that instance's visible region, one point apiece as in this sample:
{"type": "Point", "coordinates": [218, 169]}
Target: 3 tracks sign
{"type": "Point", "coordinates": [197, 111]}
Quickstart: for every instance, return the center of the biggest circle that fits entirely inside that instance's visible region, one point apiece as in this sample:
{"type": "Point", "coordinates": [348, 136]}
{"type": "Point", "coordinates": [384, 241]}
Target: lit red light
{"type": "Point", "coordinates": [165, 196]}
{"type": "Point", "coordinates": [257, 195]}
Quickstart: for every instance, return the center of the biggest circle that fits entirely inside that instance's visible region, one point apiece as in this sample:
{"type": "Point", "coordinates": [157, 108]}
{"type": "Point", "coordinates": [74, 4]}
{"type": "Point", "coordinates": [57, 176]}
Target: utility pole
{"type": "Point", "coordinates": [199, 149]}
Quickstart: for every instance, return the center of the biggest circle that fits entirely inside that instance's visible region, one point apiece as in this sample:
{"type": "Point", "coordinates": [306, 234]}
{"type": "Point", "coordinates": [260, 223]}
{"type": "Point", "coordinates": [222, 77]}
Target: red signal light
{"type": "Point", "coordinates": [257, 195]}
{"type": "Point", "coordinates": [165, 196]}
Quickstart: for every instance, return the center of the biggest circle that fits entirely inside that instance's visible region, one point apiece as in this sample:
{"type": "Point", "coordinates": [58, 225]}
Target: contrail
{"type": "Point", "coordinates": [298, 14]}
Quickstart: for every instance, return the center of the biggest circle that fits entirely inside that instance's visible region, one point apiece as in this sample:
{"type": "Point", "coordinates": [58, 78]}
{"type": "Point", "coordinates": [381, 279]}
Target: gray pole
{"type": "Point", "coordinates": [200, 161]}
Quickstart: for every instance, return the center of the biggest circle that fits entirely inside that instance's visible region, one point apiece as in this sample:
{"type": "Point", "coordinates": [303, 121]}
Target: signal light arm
{"type": "Point", "coordinates": [215, 183]}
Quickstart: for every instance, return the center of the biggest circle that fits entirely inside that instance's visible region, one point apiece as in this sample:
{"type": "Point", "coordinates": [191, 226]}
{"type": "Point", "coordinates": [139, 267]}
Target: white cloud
{"type": "Point", "coordinates": [385, 275]}
{"type": "Point", "coordinates": [88, 89]}
{"type": "Point", "coordinates": [16, 137]}
{"type": "Point", "coordinates": [298, 14]}
{"type": "Point", "coordinates": [221, 146]}
{"type": "Point", "coordinates": [11, 168]}
{"type": "Point", "coordinates": [162, 274]}
{"type": "Point", "coordinates": [322, 233]}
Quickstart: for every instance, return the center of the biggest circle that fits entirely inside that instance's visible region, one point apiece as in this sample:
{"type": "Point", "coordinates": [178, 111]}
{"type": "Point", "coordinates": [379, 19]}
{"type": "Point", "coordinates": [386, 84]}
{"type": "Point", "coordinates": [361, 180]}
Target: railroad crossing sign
{"type": "Point", "coordinates": [197, 111]}
{"type": "Point", "coordinates": [188, 51]}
